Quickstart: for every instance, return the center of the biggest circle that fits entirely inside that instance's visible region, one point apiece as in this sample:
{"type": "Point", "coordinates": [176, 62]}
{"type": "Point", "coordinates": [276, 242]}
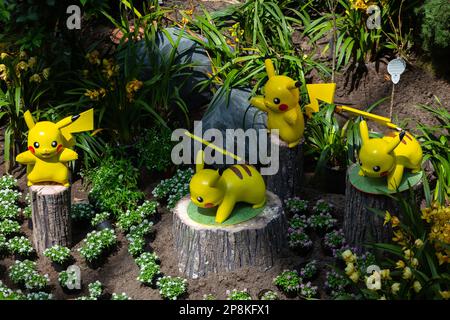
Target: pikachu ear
{"type": "Point", "coordinates": [29, 119]}
{"type": "Point", "coordinates": [270, 68]}
{"type": "Point", "coordinates": [395, 142]}
{"type": "Point", "coordinates": [294, 85]}
{"type": "Point", "coordinates": [364, 131]}
{"type": "Point", "coordinates": [199, 164]}
{"type": "Point", "coordinates": [213, 182]}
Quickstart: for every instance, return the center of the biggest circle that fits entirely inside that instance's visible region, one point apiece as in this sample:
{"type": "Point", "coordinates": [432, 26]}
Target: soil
{"type": "Point", "coordinates": [119, 273]}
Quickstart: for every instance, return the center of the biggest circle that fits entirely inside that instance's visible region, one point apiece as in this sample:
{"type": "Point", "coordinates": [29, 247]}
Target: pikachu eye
{"type": "Point", "coordinates": [276, 101]}
{"type": "Point", "coordinates": [54, 144]}
{"type": "Point", "coordinates": [200, 199]}
{"type": "Point", "coordinates": [376, 168]}
{"type": "Point", "coordinates": [36, 145]}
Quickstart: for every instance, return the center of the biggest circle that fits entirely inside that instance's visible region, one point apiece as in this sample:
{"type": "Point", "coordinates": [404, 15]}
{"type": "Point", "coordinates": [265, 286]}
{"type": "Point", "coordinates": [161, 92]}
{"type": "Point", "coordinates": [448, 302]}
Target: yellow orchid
{"type": "Point", "coordinates": [36, 78]}
{"type": "Point", "coordinates": [395, 288]}
{"type": "Point", "coordinates": [400, 264]}
{"type": "Point", "coordinates": [95, 94]}
{"type": "Point", "coordinates": [350, 268]}
{"type": "Point", "coordinates": [415, 262]}
{"type": "Point", "coordinates": [418, 243]}
{"type": "Point", "coordinates": [408, 254]}
{"type": "Point", "coordinates": [395, 221]}
{"type": "Point", "coordinates": [46, 73]}
{"type": "Point", "coordinates": [407, 273]}
{"type": "Point", "coordinates": [32, 62]}
{"type": "Point", "coordinates": [417, 286]}
{"type": "Point", "coordinates": [3, 55]}
{"type": "Point", "coordinates": [348, 256]}
{"type": "Point", "coordinates": [445, 294]}
{"type": "Point", "coordinates": [3, 72]}
{"type": "Point", "coordinates": [442, 258]}
{"type": "Point", "coordinates": [385, 274]}
{"type": "Point", "coordinates": [354, 277]}
{"type": "Point", "coordinates": [387, 218]}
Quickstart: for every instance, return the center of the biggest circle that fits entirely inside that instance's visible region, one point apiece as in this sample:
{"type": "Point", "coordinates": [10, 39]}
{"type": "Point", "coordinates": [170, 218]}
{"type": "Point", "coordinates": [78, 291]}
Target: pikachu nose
{"type": "Point", "coordinates": [46, 150]}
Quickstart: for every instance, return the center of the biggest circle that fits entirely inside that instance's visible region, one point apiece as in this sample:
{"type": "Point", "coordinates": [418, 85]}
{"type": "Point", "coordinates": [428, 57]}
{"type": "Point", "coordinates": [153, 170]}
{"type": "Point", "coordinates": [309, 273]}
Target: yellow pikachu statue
{"type": "Point", "coordinates": [48, 147]}
{"type": "Point", "coordinates": [239, 183]}
{"type": "Point", "coordinates": [281, 102]}
{"type": "Point", "coordinates": [388, 156]}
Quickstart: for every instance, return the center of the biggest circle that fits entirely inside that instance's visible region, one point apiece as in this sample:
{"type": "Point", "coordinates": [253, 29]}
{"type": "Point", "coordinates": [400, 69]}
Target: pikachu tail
{"type": "Point", "coordinates": [84, 122]}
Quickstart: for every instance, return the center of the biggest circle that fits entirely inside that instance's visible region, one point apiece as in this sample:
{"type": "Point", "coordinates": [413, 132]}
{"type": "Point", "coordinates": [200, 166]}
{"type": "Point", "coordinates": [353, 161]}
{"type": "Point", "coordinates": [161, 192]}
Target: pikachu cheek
{"type": "Point", "coordinates": [31, 149]}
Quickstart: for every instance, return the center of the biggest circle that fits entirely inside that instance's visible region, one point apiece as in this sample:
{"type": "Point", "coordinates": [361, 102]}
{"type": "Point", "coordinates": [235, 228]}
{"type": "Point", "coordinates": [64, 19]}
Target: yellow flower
{"type": "Point", "coordinates": [414, 262]}
{"type": "Point", "coordinates": [23, 55]}
{"type": "Point", "coordinates": [400, 264]}
{"type": "Point", "coordinates": [382, 298]}
{"type": "Point", "coordinates": [359, 4]}
{"type": "Point", "coordinates": [445, 294]}
{"type": "Point", "coordinates": [32, 62]}
{"type": "Point", "coordinates": [132, 87]}
{"type": "Point", "coordinates": [418, 243]}
{"type": "Point", "coordinates": [95, 94]}
{"type": "Point", "coordinates": [22, 66]}
{"type": "Point", "coordinates": [395, 221]}
{"type": "Point", "coordinates": [348, 256]}
{"type": "Point", "coordinates": [46, 73]}
{"type": "Point", "coordinates": [354, 277]}
{"type": "Point", "coordinates": [395, 288]}
{"type": "Point", "coordinates": [417, 286]}
{"type": "Point", "coordinates": [350, 269]}
{"type": "Point", "coordinates": [3, 72]}
{"type": "Point", "coordinates": [387, 218]}
{"type": "Point", "coordinates": [36, 78]}
{"type": "Point", "coordinates": [408, 254]}
{"type": "Point", "coordinates": [93, 57]}
{"type": "Point", "coordinates": [373, 282]}
{"type": "Point", "coordinates": [85, 73]}
{"type": "Point", "coordinates": [407, 273]}
{"type": "Point", "coordinates": [3, 55]}
{"type": "Point", "coordinates": [398, 236]}
{"type": "Point", "coordinates": [385, 274]}
{"type": "Point", "coordinates": [442, 258]}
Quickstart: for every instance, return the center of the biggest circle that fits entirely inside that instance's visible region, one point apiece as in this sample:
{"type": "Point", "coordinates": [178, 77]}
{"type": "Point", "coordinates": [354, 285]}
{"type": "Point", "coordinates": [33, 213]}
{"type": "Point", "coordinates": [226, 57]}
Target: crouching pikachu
{"type": "Point", "coordinates": [281, 102]}
{"type": "Point", "coordinates": [239, 183]}
{"type": "Point", "coordinates": [389, 156]}
{"type": "Point", "coordinates": [48, 147]}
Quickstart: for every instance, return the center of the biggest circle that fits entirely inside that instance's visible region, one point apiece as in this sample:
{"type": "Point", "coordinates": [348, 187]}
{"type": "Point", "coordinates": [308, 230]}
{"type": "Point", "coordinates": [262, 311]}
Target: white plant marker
{"type": "Point", "coordinates": [395, 68]}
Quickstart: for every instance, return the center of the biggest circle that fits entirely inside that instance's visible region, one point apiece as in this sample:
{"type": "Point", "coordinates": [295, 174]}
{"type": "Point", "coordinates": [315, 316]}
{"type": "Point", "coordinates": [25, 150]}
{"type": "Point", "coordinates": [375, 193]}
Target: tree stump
{"type": "Point", "coordinates": [50, 216]}
{"type": "Point", "coordinates": [287, 182]}
{"type": "Point", "coordinates": [362, 226]}
{"type": "Point", "coordinates": [204, 249]}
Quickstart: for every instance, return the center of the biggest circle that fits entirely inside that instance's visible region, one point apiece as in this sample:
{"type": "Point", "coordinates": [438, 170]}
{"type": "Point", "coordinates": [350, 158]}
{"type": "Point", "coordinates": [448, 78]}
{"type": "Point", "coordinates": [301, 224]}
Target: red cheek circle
{"type": "Point", "coordinates": [31, 149]}
{"type": "Point", "coordinates": [283, 107]}
{"type": "Point", "coordinates": [59, 148]}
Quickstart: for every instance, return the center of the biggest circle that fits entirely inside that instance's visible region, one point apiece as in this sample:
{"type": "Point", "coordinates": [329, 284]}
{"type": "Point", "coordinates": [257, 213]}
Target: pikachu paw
{"type": "Point", "coordinates": [293, 144]}
{"type": "Point", "coordinates": [259, 205]}
{"type": "Point", "coordinates": [361, 173]}
{"type": "Point", "coordinates": [29, 184]}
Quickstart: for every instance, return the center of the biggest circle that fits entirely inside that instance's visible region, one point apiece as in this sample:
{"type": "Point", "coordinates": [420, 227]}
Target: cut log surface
{"type": "Point", "coordinates": [51, 216]}
{"type": "Point", "coordinates": [287, 182]}
{"type": "Point", "coordinates": [361, 225]}
{"type": "Point", "coordinates": [204, 249]}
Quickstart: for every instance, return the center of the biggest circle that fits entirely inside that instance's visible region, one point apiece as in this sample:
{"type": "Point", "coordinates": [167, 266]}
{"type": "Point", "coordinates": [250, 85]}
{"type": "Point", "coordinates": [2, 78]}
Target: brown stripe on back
{"type": "Point", "coordinates": [408, 136]}
{"type": "Point", "coordinates": [247, 169]}
{"type": "Point", "coordinates": [237, 172]}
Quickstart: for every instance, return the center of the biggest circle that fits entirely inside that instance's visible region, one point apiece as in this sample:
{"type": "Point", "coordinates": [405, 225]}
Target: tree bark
{"type": "Point", "coordinates": [287, 182]}
{"type": "Point", "coordinates": [206, 249]}
{"type": "Point", "coordinates": [362, 226]}
{"type": "Point", "coordinates": [51, 216]}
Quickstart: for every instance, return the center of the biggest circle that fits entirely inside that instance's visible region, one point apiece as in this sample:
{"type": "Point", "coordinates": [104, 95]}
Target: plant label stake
{"type": "Point", "coordinates": [395, 68]}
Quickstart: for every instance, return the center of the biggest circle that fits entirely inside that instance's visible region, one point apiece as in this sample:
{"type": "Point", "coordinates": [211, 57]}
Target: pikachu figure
{"type": "Point", "coordinates": [49, 147]}
{"type": "Point", "coordinates": [239, 183]}
{"type": "Point", "coordinates": [281, 102]}
{"type": "Point", "coordinates": [388, 156]}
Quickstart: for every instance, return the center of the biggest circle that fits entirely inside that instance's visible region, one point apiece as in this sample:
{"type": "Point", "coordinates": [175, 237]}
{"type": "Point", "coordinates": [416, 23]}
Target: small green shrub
{"type": "Point", "coordinates": [82, 212]}
{"type": "Point", "coordinates": [120, 296]}
{"type": "Point", "coordinates": [20, 245]}
{"type": "Point", "coordinates": [97, 243]}
{"type": "Point", "coordinates": [270, 295]}
{"type": "Point", "coordinates": [334, 239]}
{"type": "Point", "coordinates": [288, 281]}
{"type": "Point", "coordinates": [136, 216]}
{"type": "Point", "coordinates": [309, 270]}
{"type": "Point", "coordinates": [175, 188]}
{"type": "Point", "coordinates": [146, 258]}
{"type": "Point", "coordinates": [25, 273]}
{"type": "Point", "coordinates": [9, 227]}
{"type": "Point", "coordinates": [307, 290]}
{"type": "Point", "coordinates": [171, 287]}
{"type": "Point", "coordinates": [154, 149]}
{"type": "Point", "coordinates": [8, 182]}
{"type": "Point", "coordinates": [238, 295]}
{"type": "Point", "coordinates": [296, 205]}
{"type": "Point", "coordinates": [114, 185]}
{"type": "Point", "coordinates": [99, 218]}
{"type": "Point", "coordinates": [148, 272]}
{"type": "Point", "coordinates": [58, 254]}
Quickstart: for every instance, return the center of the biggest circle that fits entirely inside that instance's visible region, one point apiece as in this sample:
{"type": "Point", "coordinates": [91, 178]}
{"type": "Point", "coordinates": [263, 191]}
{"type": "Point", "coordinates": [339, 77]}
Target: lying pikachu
{"type": "Point", "coordinates": [239, 183]}
{"type": "Point", "coordinates": [388, 156]}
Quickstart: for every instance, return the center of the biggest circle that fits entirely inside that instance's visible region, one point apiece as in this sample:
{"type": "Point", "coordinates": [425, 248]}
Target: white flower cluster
{"type": "Point", "coordinates": [8, 204]}
{"type": "Point", "coordinates": [39, 296]}
{"type": "Point", "coordinates": [58, 254]}
{"type": "Point", "coordinates": [131, 218]}
{"type": "Point", "coordinates": [9, 227]}
{"type": "Point", "coordinates": [238, 294]}
{"type": "Point", "coordinates": [120, 296]}
{"type": "Point", "coordinates": [175, 188]}
{"type": "Point", "coordinates": [82, 211]}
{"type": "Point", "coordinates": [8, 182]}
{"type": "Point", "coordinates": [171, 287]}
{"type": "Point", "coordinates": [20, 245]}
{"type": "Point", "coordinates": [269, 295]}
{"type": "Point", "coordinates": [24, 272]}
{"type": "Point", "coordinates": [96, 243]}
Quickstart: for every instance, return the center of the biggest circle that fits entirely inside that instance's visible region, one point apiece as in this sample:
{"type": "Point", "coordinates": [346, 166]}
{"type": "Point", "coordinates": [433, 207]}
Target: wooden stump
{"type": "Point", "coordinates": [287, 182]}
{"type": "Point", "coordinates": [51, 216]}
{"type": "Point", "coordinates": [362, 226]}
{"type": "Point", "coordinates": [204, 249]}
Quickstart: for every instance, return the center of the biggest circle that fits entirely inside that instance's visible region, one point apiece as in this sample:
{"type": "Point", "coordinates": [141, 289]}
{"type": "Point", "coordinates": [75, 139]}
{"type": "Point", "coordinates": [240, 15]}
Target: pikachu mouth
{"type": "Point", "coordinates": [384, 173]}
{"type": "Point", "coordinates": [46, 154]}
{"type": "Point", "coordinates": [209, 205]}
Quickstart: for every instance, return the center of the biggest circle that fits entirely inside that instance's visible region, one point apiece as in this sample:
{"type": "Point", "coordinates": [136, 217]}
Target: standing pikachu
{"type": "Point", "coordinates": [49, 147]}
{"type": "Point", "coordinates": [281, 102]}
{"type": "Point", "coordinates": [388, 156]}
{"type": "Point", "coordinates": [239, 183]}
